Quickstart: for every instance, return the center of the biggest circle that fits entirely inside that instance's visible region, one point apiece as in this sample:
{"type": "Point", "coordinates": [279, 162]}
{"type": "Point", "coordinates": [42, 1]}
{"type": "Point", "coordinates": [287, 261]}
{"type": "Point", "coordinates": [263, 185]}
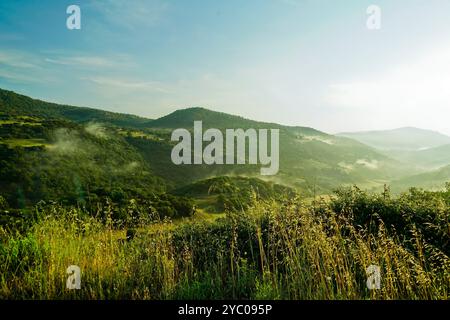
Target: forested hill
{"type": "Point", "coordinates": [65, 152]}
{"type": "Point", "coordinates": [15, 104]}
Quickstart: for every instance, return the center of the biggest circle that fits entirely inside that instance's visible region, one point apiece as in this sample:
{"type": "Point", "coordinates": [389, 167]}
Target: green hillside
{"type": "Point", "coordinates": [423, 152]}
{"type": "Point", "coordinates": [433, 180]}
{"type": "Point", "coordinates": [427, 159]}
{"type": "Point", "coordinates": [233, 193]}
{"type": "Point", "coordinates": [105, 144]}
{"type": "Point", "coordinates": [99, 189]}
{"type": "Point", "coordinates": [15, 104]}
{"type": "Point", "coordinates": [185, 118]}
{"type": "Point", "coordinates": [311, 160]}
{"type": "Point", "coordinates": [63, 161]}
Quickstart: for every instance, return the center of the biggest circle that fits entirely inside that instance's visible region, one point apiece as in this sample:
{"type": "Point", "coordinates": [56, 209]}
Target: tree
{"type": "Point", "coordinates": [3, 203]}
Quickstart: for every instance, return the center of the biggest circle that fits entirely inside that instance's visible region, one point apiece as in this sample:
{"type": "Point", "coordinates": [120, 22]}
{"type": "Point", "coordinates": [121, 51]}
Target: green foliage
{"type": "Point", "coordinates": [275, 251]}
{"type": "Point", "coordinates": [234, 193]}
{"type": "Point", "coordinates": [185, 119]}
{"type": "Point", "coordinates": [311, 161]}
{"type": "Point", "coordinates": [3, 203]}
{"type": "Point", "coordinates": [18, 105]}
{"type": "Point", "coordinates": [19, 256]}
{"type": "Point", "coordinates": [99, 190]}
{"type": "Point", "coordinates": [78, 164]}
{"type": "Point", "coordinates": [157, 154]}
{"type": "Point", "coordinates": [415, 211]}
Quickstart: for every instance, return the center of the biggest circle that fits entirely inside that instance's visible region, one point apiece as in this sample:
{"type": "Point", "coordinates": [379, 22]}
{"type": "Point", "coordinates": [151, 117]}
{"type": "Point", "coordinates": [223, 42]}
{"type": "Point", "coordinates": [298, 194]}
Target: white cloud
{"type": "Point", "coordinates": [370, 164]}
{"type": "Point", "coordinates": [15, 77]}
{"type": "Point", "coordinates": [85, 61]}
{"type": "Point", "coordinates": [129, 84]}
{"type": "Point", "coordinates": [97, 130]}
{"type": "Point", "coordinates": [19, 67]}
{"type": "Point", "coordinates": [16, 59]}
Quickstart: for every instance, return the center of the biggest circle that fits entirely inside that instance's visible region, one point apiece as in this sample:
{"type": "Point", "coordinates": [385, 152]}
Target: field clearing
{"type": "Point", "coordinates": [25, 143]}
{"type": "Point", "coordinates": [139, 134]}
{"type": "Point", "coordinates": [200, 216]}
{"type": "Point", "coordinates": [20, 122]}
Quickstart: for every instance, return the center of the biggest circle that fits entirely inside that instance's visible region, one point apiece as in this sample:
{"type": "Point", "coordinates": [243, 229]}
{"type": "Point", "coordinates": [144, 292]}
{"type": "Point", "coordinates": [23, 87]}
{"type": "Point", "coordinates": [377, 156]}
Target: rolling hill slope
{"type": "Point", "coordinates": [62, 161]}
{"type": "Point", "coordinates": [427, 159]}
{"type": "Point", "coordinates": [237, 193]}
{"type": "Point", "coordinates": [310, 161]}
{"type": "Point", "coordinates": [15, 104]}
{"type": "Point", "coordinates": [433, 180]}
{"type": "Point", "coordinates": [424, 152]}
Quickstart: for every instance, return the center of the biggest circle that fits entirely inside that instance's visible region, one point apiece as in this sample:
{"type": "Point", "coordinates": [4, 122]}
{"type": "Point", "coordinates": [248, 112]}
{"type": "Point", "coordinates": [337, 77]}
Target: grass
{"type": "Point", "coordinates": [8, 122]}
{"type": "Point", "coordinates": [291, 250]}
{"type": "Point", "coordinates": [138, 134]}
{"type": "Point", "coordinates": [22, 120]}
{"type": "Point", "coordinates": [24, 143]}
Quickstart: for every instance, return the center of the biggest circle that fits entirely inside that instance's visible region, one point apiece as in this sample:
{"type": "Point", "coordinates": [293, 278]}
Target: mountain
{"type": "Point", "coordinates": [12, 103]}
{"type": "Point", "coordinates": [131, 156]}
{"type": "Point", "coordinates": [310, 160]}
{"type": "Point", "coordinates": [63, 161]}
{"type": "Point", "coordinates": [406, 139]}
{"type": "Point", "coordinates": [185, 118]}
{"type": "Point", "coordinates": [433, 180]}
{"type": "Point", "coordinates": [426, 159]}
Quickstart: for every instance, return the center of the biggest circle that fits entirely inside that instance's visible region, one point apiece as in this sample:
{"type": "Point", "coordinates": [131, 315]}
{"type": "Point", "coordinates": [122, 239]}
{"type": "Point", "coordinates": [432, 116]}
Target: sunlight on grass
{"type": "Point", "coordinates": [292, 250]}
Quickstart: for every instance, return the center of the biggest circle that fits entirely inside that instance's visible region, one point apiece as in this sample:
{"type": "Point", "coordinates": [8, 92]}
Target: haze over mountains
{"type": "Point", "coordinates": [45, 146]}
{"type": "Point", "coordinates": [406, 139]}
{"type": "Point", "coordinates": [423, 150]}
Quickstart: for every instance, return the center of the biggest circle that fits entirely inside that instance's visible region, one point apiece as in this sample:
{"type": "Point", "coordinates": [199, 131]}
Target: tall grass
{"type": "Point", "coordinates": [271, 251]}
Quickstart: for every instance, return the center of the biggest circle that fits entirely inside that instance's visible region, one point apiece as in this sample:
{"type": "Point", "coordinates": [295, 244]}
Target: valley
{"type": "Point", "coordinates": [310, 161]}
{"type": "Point", "coordinates": [100, 190]}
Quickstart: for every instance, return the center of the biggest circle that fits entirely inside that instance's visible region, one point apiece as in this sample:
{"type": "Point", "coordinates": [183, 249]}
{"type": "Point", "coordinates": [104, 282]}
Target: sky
{"type": "Point", "coordinates": [296, 62]}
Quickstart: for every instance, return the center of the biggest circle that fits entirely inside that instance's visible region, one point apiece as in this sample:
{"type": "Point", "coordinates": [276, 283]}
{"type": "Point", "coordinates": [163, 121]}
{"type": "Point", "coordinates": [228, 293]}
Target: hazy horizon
{"type": "Point", "coordinates": [210, 109]}
{"type": "Point", "coordinates": [292, 62]}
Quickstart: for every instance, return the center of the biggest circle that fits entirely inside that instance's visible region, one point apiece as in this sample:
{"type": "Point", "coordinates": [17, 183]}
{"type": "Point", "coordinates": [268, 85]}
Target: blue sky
{"type": "Point", "coordinates": [311, 62]}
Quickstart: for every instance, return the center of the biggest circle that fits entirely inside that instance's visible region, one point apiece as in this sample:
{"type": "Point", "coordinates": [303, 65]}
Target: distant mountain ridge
{"type": "Point", "coordinates": [427, 159]}
{"type": "Point", "coordinates": [310, 160]}
{"type": "Point", "coordinates": [432, 180]}
{"type": "Point", "coordinates": [407, 138]}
